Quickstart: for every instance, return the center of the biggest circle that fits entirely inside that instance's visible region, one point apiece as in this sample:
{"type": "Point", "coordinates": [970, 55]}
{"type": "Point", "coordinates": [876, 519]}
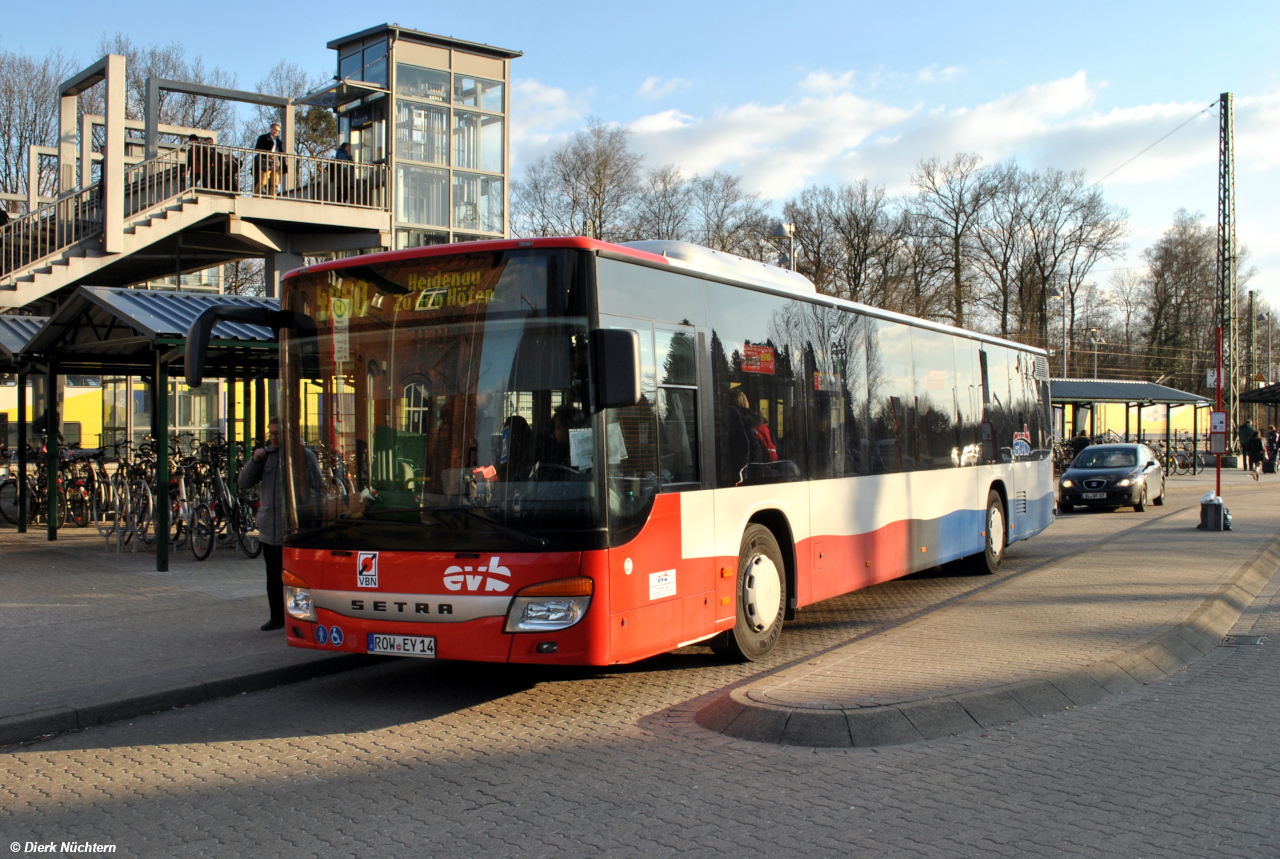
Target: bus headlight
{"type": "Point", "coordinates": [548, 606]}
{"type": "Point", "coordinates": [297, 598]}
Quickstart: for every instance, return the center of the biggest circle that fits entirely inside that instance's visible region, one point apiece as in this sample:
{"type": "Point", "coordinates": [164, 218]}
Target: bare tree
{"type": "Point", "coordinates": [588, 186]}
{"type": "Point", "coordinates": [29, 115]}
{"type": "Point", "coordinates": [866, 227]}
{"type": "Point", "coordinates": [817, 244]}
{"type": "Point", "coordinates": [315, 128]}
{"type": "Point", "coordinates": [165, 61]}
{"type": "Point", "coordinates": [726, 217]}
{"type": "Point", "coordinates": [950, 201]}
{"type": "Point", "coordinates": [664, 205]}
{"type": "Point", "coordinates": [1000, 243]}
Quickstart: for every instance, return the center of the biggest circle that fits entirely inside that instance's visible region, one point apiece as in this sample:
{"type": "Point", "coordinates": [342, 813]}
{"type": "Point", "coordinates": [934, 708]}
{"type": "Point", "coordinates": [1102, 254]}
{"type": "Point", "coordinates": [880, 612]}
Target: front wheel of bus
{"type": "Point", "coordinates": [761, 597]}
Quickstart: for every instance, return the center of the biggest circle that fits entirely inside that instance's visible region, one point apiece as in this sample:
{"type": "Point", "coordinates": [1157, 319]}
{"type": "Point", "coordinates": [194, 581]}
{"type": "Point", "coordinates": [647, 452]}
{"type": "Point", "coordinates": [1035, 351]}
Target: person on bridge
{"type": "Point", "coordinates": [269, 170]}
{"type": "Point", "coordinates": [266, 468]}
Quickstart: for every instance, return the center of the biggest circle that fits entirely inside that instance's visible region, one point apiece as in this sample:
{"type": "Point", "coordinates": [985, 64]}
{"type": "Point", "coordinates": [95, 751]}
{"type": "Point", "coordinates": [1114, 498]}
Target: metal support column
{"type": "Point", "coordinates": [1126, 421]}
{"type": "Point", "coordinates": [23, 500]}
{"type": "Point", "coordinates": [260, 415]}
{"type": "Point", "coordinates": [51, 447]}
{"type": "Point", "coordinates": [231, 427]}
{"type": "Point", "coordinates": [248, 417]}
{"type": "Point", "coordinates": [1139, 423]}
{"type": "Point", "coordinates": [1168, 436]}
{"type": "Point", "coordinates": [1195, 439]}
{"type": "Point", "coordinates": [160, 434]}
{"type": "Point", "coordinates": [1227, 297]}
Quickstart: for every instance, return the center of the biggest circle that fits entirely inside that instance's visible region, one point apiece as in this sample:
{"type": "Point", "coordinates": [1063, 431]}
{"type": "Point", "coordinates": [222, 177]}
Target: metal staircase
{"type": "Point", "coordinates": [178, 212]}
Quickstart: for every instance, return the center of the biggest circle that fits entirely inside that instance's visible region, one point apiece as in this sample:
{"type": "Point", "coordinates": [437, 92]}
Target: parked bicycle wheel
{"type": "Point", "coordinates": [140, 504]}
{"type": "Point", "coordinates": [246, 526]}
{"type": "Point", "coordinates": [79, 507]}
{"type": "Point", "coordinates": [201, 532]}
{"type": "Point", "coordinates": [9, 501]}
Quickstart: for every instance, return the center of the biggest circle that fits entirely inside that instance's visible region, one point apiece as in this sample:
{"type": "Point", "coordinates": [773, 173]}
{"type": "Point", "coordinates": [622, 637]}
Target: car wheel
{"type": "Point", "coordinates": [1066, 508]}
{"type": "Point", "coordinates": [1159, 500]}
{"type": "Point", "coordinates": [761, 597]}
{"type": "Point", "coordinates": [1141, 503]}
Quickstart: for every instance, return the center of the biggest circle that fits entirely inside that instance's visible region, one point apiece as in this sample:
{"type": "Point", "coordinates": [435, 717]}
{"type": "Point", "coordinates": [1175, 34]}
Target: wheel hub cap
{"type": "Point", "coordinates": [995, 532]}
{"type": "Point", "coordinates": [761, 593]}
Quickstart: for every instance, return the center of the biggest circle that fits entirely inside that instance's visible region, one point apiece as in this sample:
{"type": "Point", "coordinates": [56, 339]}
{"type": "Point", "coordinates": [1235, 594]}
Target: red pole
{"type": "Point", "coordinates": [1219, 489]}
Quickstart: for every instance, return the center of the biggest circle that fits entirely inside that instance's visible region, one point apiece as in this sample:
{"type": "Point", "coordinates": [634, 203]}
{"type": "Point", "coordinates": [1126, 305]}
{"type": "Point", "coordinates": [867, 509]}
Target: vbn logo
{"type": "Point", "coordinates": [455, 578]}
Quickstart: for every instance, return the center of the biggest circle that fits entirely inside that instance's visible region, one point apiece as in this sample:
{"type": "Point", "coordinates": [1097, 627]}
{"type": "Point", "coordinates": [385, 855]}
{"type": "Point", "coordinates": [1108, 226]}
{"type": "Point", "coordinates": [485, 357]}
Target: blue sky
{"type": "Point", "coordinates": [788, 93]}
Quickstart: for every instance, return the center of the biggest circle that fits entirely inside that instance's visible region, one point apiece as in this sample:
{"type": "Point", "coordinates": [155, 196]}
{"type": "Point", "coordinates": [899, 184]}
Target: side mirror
{"type": "Point", "coordinates": [615, 361]}
{"type": "Point", "coordinates": [197, 348]}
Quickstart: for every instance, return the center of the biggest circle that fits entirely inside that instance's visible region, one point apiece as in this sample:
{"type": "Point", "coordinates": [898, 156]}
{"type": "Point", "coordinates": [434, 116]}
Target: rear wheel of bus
{"type": "Point", "coordinates": [987, 562]}
{"type": "Point", "coordinates": [761, 598]}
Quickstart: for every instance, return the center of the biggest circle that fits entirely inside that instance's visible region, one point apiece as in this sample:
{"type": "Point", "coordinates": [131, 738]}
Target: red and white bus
{"type": "Point", "coordinates": [567, 451]}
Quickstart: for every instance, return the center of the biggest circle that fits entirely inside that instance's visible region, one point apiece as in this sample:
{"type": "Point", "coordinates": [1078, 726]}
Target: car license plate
{"type": "Point", "coordinates": [403, 645]}
{"type": "Point", "coordinates": [1093, 496]}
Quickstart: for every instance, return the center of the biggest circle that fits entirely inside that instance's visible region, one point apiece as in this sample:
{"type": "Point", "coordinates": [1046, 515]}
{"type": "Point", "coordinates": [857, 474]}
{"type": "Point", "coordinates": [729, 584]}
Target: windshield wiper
{"type": "Point", "coordinates": [528, 539]}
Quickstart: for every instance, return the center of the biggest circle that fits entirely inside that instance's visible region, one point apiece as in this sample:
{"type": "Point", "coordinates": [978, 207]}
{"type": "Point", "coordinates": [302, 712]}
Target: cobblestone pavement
{"type": "Point", "coordinates": [418, 758]}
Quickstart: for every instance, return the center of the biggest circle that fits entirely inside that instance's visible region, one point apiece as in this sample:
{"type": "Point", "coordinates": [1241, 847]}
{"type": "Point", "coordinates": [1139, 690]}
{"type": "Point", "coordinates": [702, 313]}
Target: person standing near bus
{"type": "Point", "coordinates": [265, 468]}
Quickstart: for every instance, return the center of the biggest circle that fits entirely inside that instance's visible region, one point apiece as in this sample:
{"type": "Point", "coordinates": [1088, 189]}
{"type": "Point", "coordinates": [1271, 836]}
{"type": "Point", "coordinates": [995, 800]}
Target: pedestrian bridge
{"type": "Point", "coordinates": [179, 209]}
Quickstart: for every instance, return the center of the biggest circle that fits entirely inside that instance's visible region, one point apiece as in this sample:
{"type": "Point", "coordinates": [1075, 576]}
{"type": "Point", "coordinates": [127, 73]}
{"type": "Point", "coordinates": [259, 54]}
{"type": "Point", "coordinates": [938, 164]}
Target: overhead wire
{"type": "Point", "coordinates": [1212, 106]}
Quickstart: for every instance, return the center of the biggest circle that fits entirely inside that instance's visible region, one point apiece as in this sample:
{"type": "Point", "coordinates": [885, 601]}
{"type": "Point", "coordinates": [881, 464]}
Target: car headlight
{"type": "Point", "coordinates": [548, 606]}
{"type": "Point", "coordinates": [1124, 481]}
{"type": "Point", "coordinates": [297, 598]}
{"type": "Point", "coordinates": [1067, 484]}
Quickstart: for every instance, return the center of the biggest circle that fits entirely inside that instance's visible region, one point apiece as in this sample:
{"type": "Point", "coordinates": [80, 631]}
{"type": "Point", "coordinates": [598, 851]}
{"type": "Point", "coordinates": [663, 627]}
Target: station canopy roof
{"type": "Point", "coordinates": [1120, 391]}
{"type": "Point", "coordinates": [119, 330]}
{"type": "Point", "coordinates": [1270, 395]}
{"type": "Point", "coordinates": [15, 333]}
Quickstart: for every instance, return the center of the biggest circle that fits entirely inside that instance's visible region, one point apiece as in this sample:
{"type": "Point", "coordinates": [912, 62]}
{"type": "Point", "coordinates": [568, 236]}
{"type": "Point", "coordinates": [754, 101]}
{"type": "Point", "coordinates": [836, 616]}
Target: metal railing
{"type": "Point", "coordinates": [50, 229]}
{"type": "Point", "coordinates": [199, 167]}
{"type": "Point", "coordinates": [273, 175]}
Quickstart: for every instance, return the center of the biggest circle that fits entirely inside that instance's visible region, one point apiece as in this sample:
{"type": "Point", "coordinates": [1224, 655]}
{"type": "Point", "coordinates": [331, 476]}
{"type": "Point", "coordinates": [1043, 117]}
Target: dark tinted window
{"type": "Point", "coordinates": [1000, 415]}
{"type": "Point", "coordinates": [968, 400]}
{"type": "Point", "coordinates": [631, 437]}
{"type": "Point", "coordinates": [892, 395]}
{"type": "Point", "coordinates": [836, 388]}
{"type": "Point", "coordinates": [1093, 457]}
{"type": "Point", "coordinates": [677, 370]}
{"type": "Point", "coordinates": [933, 358]}
{"type": "Point", "coordinates": [627, 289]}
{"type": "Point", "coordinates": [757, 364]}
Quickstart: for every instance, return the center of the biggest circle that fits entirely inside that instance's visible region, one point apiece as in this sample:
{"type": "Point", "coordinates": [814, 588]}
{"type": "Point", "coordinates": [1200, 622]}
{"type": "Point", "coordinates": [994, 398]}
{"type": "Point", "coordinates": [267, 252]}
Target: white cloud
{"type": "Point", "coordinates": [655, 87]}
{"type": "Point", "coordinates": [933, 74]}
{"type": "Point", "coordinates": [541, 117]}
{"type": "Point", "coordinates": [829, 131]}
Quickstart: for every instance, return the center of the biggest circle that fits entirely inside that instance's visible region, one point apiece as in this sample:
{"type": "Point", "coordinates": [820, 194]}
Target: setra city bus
{"type": "Point", "coordinates": [567, 451]}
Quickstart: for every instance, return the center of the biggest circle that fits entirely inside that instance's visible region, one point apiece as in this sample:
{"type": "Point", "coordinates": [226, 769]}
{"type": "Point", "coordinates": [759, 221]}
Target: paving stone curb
{"type": "Point", "coordinates": [25, 727]}
{"type": "Point", "coordinates": [736, 715]}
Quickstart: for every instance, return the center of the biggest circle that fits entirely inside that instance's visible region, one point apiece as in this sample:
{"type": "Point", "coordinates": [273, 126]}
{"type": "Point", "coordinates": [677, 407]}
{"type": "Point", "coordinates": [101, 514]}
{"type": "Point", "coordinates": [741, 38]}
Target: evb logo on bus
{"type": "Point", "coordinates": [367, 569]}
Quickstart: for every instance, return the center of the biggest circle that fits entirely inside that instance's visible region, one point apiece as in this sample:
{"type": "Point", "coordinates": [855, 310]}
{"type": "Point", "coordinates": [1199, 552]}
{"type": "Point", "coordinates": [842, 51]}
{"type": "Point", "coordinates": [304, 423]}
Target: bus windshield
{"type": "Point", "coordinates": [442, 405]}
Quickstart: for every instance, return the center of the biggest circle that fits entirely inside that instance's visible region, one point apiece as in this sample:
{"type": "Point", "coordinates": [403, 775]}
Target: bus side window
{"type": "Point", "coordinates": [677, 372]}
{"type": "Point", "coordinates": [632, 441]}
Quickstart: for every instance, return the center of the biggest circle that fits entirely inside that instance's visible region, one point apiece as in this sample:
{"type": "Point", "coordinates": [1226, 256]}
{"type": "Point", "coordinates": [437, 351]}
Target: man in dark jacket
{"type": "Point", "coordinates": [266, 468]}
{"type": "Point", "coordinates": [269, 170]}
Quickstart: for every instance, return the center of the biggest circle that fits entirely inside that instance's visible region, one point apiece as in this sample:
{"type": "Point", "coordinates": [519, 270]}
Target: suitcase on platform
{"type": "Point", "coordinates": [1268, 466]}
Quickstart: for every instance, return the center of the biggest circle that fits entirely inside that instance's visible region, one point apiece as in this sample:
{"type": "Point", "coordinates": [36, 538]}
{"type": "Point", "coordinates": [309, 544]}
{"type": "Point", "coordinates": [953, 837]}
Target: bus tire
{"type": "Point", "coordinates": [987, 562]}
{"type": "Point", "coordinates": [761, 597]}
